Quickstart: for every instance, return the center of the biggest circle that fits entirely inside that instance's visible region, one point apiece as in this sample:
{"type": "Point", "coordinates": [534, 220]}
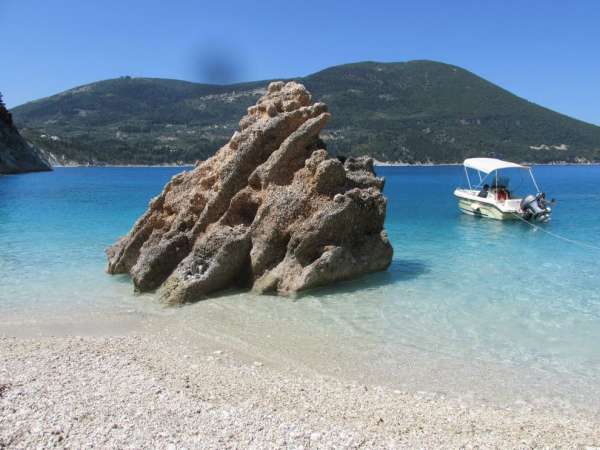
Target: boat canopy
{"type": "Point", "coordinates": [488, 165]}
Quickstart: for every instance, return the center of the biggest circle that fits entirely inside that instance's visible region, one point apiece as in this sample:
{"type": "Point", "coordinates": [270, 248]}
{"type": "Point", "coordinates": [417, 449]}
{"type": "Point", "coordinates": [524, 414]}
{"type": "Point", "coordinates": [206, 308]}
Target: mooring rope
{"type": "Point", "coordinates": [557, 236]}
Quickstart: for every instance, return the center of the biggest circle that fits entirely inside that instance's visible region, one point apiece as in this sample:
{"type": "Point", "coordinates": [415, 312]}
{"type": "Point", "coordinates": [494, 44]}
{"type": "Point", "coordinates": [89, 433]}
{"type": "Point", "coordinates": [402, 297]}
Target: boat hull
{"type": "Point", "coordinates": [480, 209]}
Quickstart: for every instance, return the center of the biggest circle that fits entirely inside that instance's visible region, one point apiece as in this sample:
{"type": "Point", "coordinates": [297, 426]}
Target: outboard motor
{"type": "Point", "coordinates": [536, 208]}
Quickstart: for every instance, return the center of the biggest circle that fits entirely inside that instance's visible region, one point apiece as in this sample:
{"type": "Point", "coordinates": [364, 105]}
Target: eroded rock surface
{"type": "Point", "coordinates": [271, 210]}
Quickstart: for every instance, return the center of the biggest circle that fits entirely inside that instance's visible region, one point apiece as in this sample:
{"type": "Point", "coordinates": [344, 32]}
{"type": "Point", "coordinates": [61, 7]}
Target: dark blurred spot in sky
{"type": "Point", "coordinates": [218, 64]}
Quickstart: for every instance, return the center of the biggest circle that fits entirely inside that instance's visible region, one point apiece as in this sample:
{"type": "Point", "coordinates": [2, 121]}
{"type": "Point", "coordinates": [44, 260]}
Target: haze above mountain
{"type": "Point", "coordinates": [417, 111]}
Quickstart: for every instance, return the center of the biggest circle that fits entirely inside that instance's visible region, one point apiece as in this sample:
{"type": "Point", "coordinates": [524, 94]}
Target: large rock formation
{"type": "Point", "coordinates": [16, 154]}
{"type": "Point", "coordinates": [270, 210]}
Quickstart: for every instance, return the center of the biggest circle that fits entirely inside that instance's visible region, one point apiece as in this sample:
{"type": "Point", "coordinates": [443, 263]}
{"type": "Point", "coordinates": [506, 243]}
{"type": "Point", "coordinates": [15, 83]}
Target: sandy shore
{"type": "Point", "coordinates": [143, 390]}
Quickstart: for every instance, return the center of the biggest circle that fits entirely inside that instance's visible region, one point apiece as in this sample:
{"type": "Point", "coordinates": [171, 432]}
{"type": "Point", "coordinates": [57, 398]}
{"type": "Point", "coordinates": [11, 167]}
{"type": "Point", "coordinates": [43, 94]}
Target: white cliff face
{"type": "Point", "coordinates": [270, 211]}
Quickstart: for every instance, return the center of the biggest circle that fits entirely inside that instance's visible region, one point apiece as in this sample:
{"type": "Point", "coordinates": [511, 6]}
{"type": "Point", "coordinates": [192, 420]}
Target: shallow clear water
{"type": "Point", "coordinates": [459, 287]}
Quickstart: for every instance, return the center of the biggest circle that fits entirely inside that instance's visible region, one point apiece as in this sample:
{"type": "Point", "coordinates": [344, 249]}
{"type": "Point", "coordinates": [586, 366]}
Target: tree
{"type": "Point", "coordinates": [5, 115]}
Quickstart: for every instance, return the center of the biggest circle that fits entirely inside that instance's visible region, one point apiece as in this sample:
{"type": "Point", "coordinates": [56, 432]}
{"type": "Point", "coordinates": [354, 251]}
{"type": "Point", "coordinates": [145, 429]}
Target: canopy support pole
{"type": "Point", "coordinates": [497, 184]}
{"type": "Point", "coordinates": [468, 179]}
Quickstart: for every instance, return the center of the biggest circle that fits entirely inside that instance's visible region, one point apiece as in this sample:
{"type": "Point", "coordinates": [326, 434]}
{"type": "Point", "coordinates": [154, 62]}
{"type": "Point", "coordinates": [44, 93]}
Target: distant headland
{"type": "Point", "coordinates": [17, 155]}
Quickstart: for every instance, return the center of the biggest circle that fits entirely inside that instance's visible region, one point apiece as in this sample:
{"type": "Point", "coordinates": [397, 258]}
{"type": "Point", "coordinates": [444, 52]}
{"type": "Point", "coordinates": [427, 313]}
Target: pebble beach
{"type": "Point", "coordinates": [140, 389]}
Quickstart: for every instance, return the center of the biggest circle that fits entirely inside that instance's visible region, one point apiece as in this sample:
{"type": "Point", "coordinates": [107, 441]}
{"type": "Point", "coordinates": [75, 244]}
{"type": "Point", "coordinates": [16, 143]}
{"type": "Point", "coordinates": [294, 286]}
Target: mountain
{"type": "Point", "coordinates": [16, 155]}
{"type": "Point", "coordinates": [417, 111]}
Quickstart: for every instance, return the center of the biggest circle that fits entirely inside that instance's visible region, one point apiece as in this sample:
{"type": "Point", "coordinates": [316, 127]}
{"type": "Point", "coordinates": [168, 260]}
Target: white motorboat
{"type": "Point", "coordinates": [491, 196]}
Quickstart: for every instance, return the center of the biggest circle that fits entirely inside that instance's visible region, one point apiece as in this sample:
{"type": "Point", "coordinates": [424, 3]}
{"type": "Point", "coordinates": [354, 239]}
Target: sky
{"type": "Point", "coordinates": [545, 51]}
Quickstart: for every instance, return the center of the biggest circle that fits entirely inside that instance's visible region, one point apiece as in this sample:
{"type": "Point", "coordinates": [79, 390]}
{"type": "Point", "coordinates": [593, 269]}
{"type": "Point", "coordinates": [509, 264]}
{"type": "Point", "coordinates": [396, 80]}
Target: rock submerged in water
{"type": "Point", "coordinates": [271, 210]}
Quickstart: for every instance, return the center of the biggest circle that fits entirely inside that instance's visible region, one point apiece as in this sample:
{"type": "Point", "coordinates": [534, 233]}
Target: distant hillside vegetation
{"type": "Point", "coordinates": [418, 111]}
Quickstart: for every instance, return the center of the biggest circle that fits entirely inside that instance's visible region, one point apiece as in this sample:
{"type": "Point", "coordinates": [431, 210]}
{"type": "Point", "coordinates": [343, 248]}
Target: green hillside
{"type": "Point", "coordinates": [416, 111]}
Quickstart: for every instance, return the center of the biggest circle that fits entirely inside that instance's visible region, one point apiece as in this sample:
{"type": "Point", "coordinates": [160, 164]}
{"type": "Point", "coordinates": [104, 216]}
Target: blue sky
{"type": "Point", "coordinates": [546, 51]}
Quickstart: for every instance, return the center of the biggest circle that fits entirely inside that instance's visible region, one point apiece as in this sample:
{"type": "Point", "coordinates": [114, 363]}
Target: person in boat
{"type": "Point", "coordinates": [502, 194]}
{"type": "Point", "coordinates": [484, 191]}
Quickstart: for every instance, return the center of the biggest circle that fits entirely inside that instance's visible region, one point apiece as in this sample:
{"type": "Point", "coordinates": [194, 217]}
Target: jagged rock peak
{"type": "Point", "coordinates": [271, 211]}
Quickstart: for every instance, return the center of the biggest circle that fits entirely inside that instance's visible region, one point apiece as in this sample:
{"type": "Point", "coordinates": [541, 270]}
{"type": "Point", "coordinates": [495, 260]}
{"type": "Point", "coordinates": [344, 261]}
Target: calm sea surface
{"type": "Point", "coordinates": [460, 288]}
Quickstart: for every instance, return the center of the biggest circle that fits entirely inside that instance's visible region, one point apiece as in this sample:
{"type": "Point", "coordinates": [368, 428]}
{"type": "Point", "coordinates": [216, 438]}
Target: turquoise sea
{"type": "Point", "coordinates": [501, 295]}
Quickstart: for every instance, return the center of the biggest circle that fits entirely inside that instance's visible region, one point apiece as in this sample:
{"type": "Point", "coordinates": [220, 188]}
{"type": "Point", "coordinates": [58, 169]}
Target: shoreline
{"type": "Point", "coordinates": [316, 350]}
{"type": "Point", "coordinates": [146, 389]}
{"type": "Point", "coordinates": [77, 166]}
{"type": "Point", "coordinates": [376, 163]}
{"type": "Point", "coordinates": [206, 379]}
